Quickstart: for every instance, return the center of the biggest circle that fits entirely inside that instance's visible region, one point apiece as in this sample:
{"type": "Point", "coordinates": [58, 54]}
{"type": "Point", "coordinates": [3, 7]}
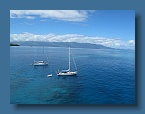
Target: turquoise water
{"type": "Point", "coordinates": [105, 76]}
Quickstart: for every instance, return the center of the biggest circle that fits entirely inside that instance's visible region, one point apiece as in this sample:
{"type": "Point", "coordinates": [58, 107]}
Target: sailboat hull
{"type": "Point", "coordinates": [40, 63]}
{"type": "Point", "coordinates": [67, 74]}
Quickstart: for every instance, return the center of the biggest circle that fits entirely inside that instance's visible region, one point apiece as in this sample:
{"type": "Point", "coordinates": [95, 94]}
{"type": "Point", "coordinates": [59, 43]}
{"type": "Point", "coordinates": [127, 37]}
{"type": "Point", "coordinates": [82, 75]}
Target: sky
{"type": "Point", "coordinates": [111, 28]}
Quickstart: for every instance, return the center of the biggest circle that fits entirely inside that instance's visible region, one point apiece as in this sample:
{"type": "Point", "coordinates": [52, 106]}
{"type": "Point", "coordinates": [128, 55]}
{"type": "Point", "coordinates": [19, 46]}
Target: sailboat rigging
{"type": "Point", "coordinates": [40, 63]}
{"type": "Point", "coordinates": [67, 72]}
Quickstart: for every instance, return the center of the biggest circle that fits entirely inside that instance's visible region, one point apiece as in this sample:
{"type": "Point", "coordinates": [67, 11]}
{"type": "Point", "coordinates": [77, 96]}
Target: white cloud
{"type": "Point", "coordinates": [131, 42]}
{"type": "Point", "coordinates": [115, 43]}
{"type": "Point", "coordinates": [65, 15]}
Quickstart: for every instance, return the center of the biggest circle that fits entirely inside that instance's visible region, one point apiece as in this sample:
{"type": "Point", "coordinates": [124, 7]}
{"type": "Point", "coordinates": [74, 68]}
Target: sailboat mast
{"type": "Point", "coordinates": [69, 58]}
{"type": "Point", "coordinates": [43, 53]}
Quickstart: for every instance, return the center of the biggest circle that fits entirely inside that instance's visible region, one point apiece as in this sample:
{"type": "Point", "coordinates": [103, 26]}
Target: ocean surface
{"type": "Point", "coordinates": [105, 76]}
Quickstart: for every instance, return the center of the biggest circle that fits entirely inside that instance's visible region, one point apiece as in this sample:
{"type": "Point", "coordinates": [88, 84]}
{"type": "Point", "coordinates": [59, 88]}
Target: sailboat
{"type": "Point", "coordinates": [40, 63]}
{"type": "Point", "coordinates": [67, 72]}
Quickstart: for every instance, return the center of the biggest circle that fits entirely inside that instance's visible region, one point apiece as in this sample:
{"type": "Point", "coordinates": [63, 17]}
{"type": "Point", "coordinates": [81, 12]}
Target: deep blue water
{"type": "Point", "coordinates": [105, 76]}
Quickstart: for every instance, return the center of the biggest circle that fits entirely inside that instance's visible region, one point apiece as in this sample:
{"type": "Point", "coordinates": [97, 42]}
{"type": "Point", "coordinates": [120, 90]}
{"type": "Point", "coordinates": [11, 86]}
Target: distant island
{"type": "Point", "coordinates": [61, 44]}
{"type": "Point", "coordinates": [12, 44]}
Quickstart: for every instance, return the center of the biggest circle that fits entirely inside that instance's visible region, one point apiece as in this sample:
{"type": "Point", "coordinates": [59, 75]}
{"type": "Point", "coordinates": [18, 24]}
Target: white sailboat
{"type": "Point", "coordinates": [67, 72]}
{"type": "Point", "coordinates": [40, 63]}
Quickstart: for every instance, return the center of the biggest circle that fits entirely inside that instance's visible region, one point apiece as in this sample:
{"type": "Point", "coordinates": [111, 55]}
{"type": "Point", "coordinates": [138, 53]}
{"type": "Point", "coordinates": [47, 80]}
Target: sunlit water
{"type": "Point", "coordinates": [105, 76]}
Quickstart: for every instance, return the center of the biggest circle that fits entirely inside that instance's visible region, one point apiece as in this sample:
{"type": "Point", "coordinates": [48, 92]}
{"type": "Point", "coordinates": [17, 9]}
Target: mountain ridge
{"type": "Point", "coordinates": [61, 44]}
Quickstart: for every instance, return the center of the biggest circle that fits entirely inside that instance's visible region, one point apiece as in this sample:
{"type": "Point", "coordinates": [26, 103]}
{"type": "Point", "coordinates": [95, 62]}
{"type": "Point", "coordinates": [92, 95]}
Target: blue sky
{"type": "Point", "coordinates": [112, 28]}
